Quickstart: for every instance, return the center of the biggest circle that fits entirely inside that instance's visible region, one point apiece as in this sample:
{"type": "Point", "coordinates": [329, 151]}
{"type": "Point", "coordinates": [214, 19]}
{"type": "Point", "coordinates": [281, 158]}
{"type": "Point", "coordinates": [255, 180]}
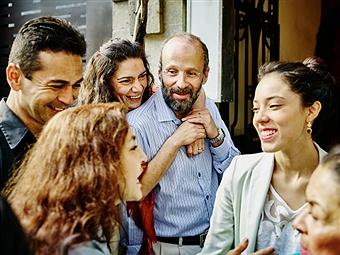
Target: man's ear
{"type": "Point", "coordinates": [205, 75]}
{"type": "Point", "coordinates": [159, 71]}
{"type": "Point", "coordinates": [313, 111]}
{"type": "Point", "coordinates": [14, 76]}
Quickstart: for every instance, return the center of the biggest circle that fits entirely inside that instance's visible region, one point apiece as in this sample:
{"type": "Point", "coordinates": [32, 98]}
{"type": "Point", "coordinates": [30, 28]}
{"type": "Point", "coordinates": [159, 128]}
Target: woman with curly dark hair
{"type": "Point", "coordinates": [118, 71]}
{"type": "Point", "coordinates": [66, 191]}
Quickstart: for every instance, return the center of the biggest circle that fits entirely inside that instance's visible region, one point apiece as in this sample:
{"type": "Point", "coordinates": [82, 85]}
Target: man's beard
{"type": "Point", "coordinates": [180, 107]}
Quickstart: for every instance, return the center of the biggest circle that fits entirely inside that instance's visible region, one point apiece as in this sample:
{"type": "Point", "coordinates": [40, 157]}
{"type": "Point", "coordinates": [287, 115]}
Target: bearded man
{"type": "Point", "coordinates": [185, 191]}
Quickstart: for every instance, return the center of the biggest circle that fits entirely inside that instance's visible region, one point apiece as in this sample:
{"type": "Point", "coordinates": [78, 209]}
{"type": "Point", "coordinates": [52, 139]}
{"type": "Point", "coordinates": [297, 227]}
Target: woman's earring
{"type": "Point", "coordinates": [309, 127]}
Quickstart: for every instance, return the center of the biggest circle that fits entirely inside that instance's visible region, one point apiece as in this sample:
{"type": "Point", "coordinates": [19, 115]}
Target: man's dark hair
{"type": "Point", "coordinates": [44, 34]}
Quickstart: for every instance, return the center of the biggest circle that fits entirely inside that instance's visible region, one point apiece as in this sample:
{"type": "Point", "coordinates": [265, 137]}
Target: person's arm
{"type": "Point", "coordinates": [1, 170]}
{"type": "Point", "coordinates": [197, 146]}
{"type": "Point", "coordinates": [244, 244]}
{"type": "Point", "coordinates": [226, 151]}
{"type": "Point", "coordinates": [185, 134]}
{"type": "Point", "coordinates": [221, 235]}
{"type": "Point", "coordinates": [222, 152]}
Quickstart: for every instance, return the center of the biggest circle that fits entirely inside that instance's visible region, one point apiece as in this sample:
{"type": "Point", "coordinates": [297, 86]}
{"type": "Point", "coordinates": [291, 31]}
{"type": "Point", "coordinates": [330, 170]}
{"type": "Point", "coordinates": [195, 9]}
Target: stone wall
{"type": "Point", "coordinates": [164, 19]}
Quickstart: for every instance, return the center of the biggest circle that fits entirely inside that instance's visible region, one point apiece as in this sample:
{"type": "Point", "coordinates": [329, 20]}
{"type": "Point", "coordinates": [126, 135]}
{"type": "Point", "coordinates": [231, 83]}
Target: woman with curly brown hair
{"type": "Point", "coordinates": [66, 191]}
{"type": "Point", "coordinates": [118, 71]}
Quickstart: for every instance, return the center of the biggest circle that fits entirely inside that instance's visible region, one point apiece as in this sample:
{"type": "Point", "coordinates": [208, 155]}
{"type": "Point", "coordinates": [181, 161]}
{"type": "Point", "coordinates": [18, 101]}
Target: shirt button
{"type": "Point", "coordinates": [199, 174]}
{"type": "Point", "coordinates": [207, 197]}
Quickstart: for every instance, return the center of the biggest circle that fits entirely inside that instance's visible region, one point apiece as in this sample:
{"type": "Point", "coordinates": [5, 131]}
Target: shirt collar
{"type": "Point", "coordinates": [12, 127]}
{"type": "Point", "coordinates": [164, 113]}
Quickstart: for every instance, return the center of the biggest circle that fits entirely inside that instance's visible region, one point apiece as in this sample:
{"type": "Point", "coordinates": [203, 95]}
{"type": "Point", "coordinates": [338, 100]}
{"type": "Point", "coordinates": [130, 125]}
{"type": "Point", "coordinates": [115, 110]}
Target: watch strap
{"type": "Point", "coordinates": [219, 138]}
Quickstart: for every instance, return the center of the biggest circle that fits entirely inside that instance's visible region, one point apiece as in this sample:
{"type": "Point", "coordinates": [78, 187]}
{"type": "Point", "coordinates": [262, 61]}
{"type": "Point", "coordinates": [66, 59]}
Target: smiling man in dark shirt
{"type": "Point", "coordinates": [44, 72]}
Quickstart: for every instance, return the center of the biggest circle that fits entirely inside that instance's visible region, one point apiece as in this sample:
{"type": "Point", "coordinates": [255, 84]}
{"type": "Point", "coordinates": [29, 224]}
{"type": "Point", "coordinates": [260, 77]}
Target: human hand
{"type": "Point", "coordinates": [244, 244]}
{"type": "Point", "coordinates": [195, 148]}
{"type": "Point", "coordinates": [187, 133]}
{"type": "Point", "coordinates": [202, 116]}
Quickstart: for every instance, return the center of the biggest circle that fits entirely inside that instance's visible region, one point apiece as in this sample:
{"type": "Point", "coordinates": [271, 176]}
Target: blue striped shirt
{"type": "Point", "coordinates": [185, 194]}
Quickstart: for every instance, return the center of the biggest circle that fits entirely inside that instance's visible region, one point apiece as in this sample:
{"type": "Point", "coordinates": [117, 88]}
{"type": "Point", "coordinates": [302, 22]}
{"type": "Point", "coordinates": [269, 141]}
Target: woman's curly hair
{"type": "Point", "coordinates": [66, 190]}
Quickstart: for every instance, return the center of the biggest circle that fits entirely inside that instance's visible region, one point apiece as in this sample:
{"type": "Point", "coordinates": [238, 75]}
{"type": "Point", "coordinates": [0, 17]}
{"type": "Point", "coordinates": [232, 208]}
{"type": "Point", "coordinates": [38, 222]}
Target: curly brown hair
{"type": "Point", "coordinates": [67, 188]}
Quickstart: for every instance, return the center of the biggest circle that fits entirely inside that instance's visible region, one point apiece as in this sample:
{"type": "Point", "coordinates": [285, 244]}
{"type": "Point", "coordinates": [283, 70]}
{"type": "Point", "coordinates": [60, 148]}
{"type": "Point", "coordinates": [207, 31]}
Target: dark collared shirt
{"type": "Point", "coordinates": [15, 140]}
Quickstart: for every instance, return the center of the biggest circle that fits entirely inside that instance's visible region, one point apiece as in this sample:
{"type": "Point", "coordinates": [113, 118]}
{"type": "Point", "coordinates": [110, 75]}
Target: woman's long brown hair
{"type": "Point", "coordinates": [66, 190]}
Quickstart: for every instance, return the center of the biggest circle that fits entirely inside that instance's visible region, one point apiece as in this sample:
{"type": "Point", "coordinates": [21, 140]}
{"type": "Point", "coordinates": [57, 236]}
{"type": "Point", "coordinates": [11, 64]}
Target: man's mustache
{"type": "Point", "coordinates": [180, 91]}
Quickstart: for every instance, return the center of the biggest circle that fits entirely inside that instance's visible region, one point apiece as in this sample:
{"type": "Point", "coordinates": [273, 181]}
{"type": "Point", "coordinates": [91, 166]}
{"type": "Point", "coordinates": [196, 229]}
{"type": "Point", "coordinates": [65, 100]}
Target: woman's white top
{"type": "Point", "coordinates": [275, 229]}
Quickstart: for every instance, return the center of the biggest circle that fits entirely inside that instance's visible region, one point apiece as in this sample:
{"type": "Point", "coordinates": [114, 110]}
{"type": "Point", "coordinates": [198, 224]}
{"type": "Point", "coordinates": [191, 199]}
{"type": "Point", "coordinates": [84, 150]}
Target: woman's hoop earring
{"type": "Point", "coordinates": [309, 127]}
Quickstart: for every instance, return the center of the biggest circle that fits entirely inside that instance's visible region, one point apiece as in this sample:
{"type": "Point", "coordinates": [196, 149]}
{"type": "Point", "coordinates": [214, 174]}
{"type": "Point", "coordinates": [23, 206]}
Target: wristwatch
{"type": "Point", "coordinates": [219, 138]}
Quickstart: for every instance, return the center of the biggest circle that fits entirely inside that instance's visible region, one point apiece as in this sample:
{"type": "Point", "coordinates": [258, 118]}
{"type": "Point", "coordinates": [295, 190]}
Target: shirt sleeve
{"type": "Point", "coordinates": [223, 154]}
{"type": "Point", "coordinates": [220, 237]}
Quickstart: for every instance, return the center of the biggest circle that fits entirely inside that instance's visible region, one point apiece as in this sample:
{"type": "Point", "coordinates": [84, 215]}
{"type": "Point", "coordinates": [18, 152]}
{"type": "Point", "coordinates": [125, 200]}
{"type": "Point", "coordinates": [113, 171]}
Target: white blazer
{"type": "Point", "coordinates": [239, 202]}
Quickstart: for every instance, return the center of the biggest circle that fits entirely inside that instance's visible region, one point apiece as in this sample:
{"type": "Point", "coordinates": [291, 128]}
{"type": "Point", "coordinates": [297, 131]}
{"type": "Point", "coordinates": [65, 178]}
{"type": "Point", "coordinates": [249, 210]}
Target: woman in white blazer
{"type": "Point", "coordinates": [261, 194]}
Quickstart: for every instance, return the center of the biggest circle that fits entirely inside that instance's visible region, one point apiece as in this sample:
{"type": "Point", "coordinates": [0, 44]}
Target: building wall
{"type": "Point", "coordinates": [299, 24]}
{"type": "Point", "coordinates": [172, 18]}
{"type": "Point", "coordinates": [98, 25]}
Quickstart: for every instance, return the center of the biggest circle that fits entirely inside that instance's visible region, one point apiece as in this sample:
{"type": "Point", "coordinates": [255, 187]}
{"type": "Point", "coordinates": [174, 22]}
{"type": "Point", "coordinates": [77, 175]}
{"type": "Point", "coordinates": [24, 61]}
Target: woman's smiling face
{"type": "Point", "coordinates": [130, 81]}
{"type": "Point", "coordinates": [279, 117]}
